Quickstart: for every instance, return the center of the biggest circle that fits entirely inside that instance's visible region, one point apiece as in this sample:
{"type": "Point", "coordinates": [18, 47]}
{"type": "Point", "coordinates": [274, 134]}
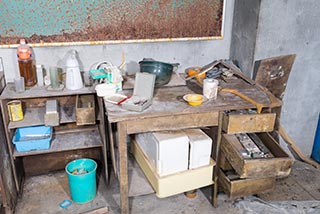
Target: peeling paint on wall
{"type": "Point", "coordinates": [99, 20]}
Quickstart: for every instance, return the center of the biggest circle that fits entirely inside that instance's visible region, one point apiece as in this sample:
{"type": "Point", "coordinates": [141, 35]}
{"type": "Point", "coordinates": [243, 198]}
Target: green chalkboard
{"type": "Point", "coordinates": [43, 21]}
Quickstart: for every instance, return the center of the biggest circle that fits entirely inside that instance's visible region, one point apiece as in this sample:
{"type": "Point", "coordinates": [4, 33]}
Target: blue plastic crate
{"type": "Point", "coordinates": [32, 138]}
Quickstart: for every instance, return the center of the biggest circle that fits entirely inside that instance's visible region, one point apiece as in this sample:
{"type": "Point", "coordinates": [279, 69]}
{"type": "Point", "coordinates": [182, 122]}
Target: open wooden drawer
{"type": "Point", "coordinates": [277, 166]}
{"type": "Point", "coordinates": [247, 123]}
{"type": "Point", "coordinates": [235, 187]}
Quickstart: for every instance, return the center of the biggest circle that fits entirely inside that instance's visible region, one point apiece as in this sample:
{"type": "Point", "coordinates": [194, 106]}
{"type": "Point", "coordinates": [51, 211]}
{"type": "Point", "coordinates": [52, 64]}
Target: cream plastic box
{"type": "Point", "coordinates": [142, 93]}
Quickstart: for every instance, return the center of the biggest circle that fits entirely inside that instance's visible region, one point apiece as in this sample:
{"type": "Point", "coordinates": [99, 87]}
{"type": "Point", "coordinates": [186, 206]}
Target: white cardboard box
{"type": "Point", "coordinates": [200, 148]}
{"type": "Point", "coordinates": [175, 183]}
{"type": "Point", "coordinates": [168, 150]}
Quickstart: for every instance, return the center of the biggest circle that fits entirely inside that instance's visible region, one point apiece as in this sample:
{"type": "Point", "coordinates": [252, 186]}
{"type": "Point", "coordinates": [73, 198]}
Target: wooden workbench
{"type": "Point", "coordinates": [170, 112]}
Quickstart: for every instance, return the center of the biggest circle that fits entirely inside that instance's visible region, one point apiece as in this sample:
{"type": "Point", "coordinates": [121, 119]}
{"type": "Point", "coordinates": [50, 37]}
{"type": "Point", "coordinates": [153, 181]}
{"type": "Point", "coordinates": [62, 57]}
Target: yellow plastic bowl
{"type": "Point", "coordinates": [193, 99]}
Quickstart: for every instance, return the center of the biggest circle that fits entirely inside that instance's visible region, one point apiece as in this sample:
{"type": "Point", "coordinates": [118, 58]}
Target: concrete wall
{"type": "Point", "coordinates": [244, 32]}
{"type": "Point", "coordinates": [187, 53]}
{"type": "Point", "coordinates": [287, 27]}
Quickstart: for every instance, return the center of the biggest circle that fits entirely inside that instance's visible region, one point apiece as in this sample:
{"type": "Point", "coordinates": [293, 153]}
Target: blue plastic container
{"type": "Point", "coordinates": [82, 185]}
{"type": "Point", "coordinates": [316, 144]}
{"type": "Point", "coordinates": [32, 138]}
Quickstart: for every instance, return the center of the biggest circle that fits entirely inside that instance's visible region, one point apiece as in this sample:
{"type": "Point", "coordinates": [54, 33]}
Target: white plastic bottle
{"type": "Point", "coordinates": [73, 75]}
{"type": "Point", "coordinates": [40, 80]}
{"type": "Point", "coordinates": [210, 88]}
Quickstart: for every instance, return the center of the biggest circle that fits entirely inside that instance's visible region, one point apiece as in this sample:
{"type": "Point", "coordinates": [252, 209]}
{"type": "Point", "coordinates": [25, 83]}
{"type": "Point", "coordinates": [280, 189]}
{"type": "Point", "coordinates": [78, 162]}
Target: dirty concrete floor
{"type": "Point", "coordinates": [299, 193]}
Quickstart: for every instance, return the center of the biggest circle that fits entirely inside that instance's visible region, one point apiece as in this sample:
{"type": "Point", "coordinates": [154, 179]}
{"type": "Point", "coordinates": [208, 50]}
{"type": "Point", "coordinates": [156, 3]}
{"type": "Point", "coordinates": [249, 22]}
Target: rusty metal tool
{"type": "Point", "coordinates": [244, 97]}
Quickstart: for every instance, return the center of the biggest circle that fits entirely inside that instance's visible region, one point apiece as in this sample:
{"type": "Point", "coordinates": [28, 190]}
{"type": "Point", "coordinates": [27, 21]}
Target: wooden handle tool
{"type": "Point", "coordinates": [244, 97]}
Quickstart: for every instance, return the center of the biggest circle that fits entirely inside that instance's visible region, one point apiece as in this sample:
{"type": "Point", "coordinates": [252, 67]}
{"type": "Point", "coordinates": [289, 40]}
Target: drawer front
{"type": "Point", "coordinates": [248, 123]}
{"type": "Point", "coordinates": [223, 162]}
{"type": "Point", "coordinates": [277, 166]}
{"type": "Point", "coordinates": [244, 187]}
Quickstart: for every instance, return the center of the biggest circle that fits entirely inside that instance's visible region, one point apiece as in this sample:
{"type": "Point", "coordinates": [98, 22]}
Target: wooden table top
{"type": "Point", "coordinates": [168, 101]}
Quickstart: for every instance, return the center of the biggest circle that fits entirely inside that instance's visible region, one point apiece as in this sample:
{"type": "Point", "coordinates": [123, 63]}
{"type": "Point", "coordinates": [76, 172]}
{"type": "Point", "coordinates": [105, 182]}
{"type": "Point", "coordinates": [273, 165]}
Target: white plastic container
{"type": "Point", "coordinates": [167, 150]}
{"type": "Point", "coordinates": [105, 89]}
{"type": "Point", "coordinates": [73, 78]}
{"type": "Point", "coordinates": [39, 69]}
{"type": "Point", "coordinates": [200, 148]}
{"type": "Point", "coordinates": [210, 88]}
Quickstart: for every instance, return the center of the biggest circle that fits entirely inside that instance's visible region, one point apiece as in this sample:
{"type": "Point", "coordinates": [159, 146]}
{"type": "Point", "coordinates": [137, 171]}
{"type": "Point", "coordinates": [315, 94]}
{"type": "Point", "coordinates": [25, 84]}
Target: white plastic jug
{"type": "Point", "coordinates": [73, 77]}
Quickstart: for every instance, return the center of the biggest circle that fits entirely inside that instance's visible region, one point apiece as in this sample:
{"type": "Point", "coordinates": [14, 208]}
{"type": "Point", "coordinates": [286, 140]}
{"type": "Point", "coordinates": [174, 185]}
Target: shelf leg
{"type": "Point", "coordinates": [216, 168]}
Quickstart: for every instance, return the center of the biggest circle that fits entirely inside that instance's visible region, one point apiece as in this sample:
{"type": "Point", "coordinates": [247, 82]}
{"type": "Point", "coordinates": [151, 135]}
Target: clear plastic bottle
{"type": "Point", "coordinates": [26, 64]}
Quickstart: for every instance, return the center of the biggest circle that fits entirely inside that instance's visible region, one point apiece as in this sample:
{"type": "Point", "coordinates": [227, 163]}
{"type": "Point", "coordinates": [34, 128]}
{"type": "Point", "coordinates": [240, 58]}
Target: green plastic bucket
{"type": "Point", "coordinates": [82, 180]}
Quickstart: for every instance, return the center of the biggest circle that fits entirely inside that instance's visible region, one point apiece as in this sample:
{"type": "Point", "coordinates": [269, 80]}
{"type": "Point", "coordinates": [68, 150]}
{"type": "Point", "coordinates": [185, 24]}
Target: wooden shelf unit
{"type": "Point", "coordinates": [67, 137]}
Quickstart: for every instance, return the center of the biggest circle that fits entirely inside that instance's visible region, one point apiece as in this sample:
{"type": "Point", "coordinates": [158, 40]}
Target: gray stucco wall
{"type": "Point", "coordinates": [244, 32]}
{"type": "Point", "coordinates": [187, 53]}
{"type": "Point", "coordinates": [288, 27]}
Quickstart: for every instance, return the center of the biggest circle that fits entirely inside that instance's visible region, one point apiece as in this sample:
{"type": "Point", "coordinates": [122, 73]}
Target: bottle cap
{"type": "Point", "coordinates": [24, 51]}
{"type": "Point", "coordinates": [22, 41]}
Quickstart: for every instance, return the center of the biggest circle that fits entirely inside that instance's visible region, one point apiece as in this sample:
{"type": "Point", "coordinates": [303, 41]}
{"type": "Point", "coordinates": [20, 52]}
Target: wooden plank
{"type": "Point", "coordinates": [112, 144]}
{"type": "Point", "coordinates": [175, 122]}
{"type": "Point", "coordinates": [17, 174]}
{"type": "Point", "coordinates": [296, 148]}
{"type": "Point", "coordinates": [102, 210]}
{"type": "Point", "coordinates": [39, 102]}
{"type": "Point", "coordinates": [248, 123]}
{"type": "Point", "coordinates": [102, 132]}
{"type": "Point", "coordinates": [279, 166]}
{"type": "Point", "coordinates": [216, 153]}
{"type": "Point", "coordinates": [245, 187]}
{"type": "Point", "coordinates": [45, 163]}
{"type": "Point", "coordinates": [8, 191]}
{"type": "Point", "coordinates": [273, 73]}
{"type": "Point", "coordinates": [35, 117]}
{"type": "Point", "coordinates": [224, 163]}
{"type": "Point", "coordinates": [40, 92]}
{"type": "Point", "coordinates": [85, 109]}
{"type": "Point", "coordinates": [123, 167]}
{"type": "Point", "coordinates": [68, 142]}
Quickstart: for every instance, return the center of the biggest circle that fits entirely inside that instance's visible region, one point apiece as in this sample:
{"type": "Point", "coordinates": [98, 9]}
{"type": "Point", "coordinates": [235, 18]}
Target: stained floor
{"type": "Point", "coordinates": [299, 193]}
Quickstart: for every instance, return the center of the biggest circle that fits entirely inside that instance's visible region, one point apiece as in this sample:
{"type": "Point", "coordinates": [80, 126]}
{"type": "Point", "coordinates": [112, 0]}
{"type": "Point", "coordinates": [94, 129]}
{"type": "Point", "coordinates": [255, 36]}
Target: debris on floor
{"type": "Point", "coordinates": [252, 205]}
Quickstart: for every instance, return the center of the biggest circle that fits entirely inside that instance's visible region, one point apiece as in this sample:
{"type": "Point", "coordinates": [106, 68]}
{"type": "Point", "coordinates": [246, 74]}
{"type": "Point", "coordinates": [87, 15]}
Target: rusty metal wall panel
{"type": "Point", "coordinates": [100, 20]}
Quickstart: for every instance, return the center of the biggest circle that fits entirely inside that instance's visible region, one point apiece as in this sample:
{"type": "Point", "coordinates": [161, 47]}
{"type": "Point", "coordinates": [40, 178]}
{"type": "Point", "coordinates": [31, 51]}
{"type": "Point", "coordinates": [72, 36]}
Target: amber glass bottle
{"type": "Point", "coordinates": [26, 64]}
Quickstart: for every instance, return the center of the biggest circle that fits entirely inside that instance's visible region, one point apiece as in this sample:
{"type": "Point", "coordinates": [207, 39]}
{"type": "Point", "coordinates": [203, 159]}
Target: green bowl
{"type": "Point", "coordinates": [162, 70]}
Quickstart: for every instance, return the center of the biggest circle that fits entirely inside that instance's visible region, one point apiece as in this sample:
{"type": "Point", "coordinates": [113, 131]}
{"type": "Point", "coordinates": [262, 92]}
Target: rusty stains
{"type": "Point", "coordinates": [123, 20]}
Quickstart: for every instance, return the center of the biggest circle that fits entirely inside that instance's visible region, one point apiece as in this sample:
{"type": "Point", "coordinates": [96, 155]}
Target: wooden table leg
{"type": "Point", "coordinates": [123, 167]}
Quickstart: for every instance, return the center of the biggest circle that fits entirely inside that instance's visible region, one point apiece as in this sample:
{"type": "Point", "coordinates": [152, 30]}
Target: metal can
{"type": "Point", "coordinates": [15, 110]}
